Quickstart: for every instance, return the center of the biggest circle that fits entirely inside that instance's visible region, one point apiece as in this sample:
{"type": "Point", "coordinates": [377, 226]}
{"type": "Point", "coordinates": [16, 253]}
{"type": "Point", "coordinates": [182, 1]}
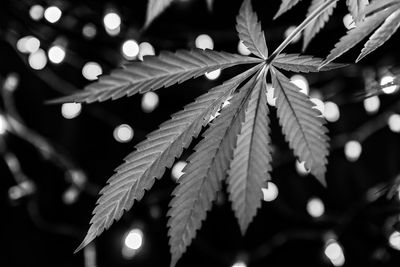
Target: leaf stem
{"type": "Point", "coordinates": [316, 13]}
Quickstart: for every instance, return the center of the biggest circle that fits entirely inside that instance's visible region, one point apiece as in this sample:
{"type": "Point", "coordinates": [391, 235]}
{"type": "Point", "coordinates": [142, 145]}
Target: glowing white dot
{"type": "Point", "coordinates": [56, 54]}
{"type": "Point", "coordinates": [176, 171]}
{"type": "Point", "coordinates": [394, 123]}
{"type": "Point", "coordinates": [319, 105]}
{"type": "Point", "coordinates": [204, 41]}
{"type": "Point", "coordinates": [372, 104]}
{"type": "Point", "coordinates": [134, 239]}
{"type": "Point", "coordinates": [239, 264]}
{"type": "Point", "coordinates": [36, 12]}
{"type": "Point", "coordinates": [301, 82]}
{"type": "Point", "coordinates": [112, 21]}
{"type": "Point", "coordinates": [150, 102]}
{"type": "Point", "coordinates": [331, 111]}
{"type": "Point", "coordinates": [213, 75]}
{"type": "Point", "coordinates": [270, 193]}
{"type": "Point", "coordinates": [37, 60]}
{"type": "Point", "coordinates": [334, 253]}
{"type": "Point", "coordinates": [28, 44]}
{"type": "Point", "coordinates": [11, 82]}
{"type": "Point", "coordinates": [394, 240]}
{"type": "Point", "coordinates": [70, 196]}
{"type": "Point", "coordinates": [301, 168]}
{"type": "Point", "coordinates": [289, 31]}
{"type": "Point", "coordinates": [89, 31]}
{"type": "Point", "coordinates": [123, 133]}
{"type": "Point", "coordinates": [146, 49]}
{"type": "Point", "coordinates": [348, 22]}
{"type": "Point", "coordinates": [52, 14]}
{"type": "Point", "coordinates": [270, 95]}
{"type": "Point", "coordinates": [242, 49]}
{"type": "Point", "coordinates": [387, 79]}
{"type": "Point", "coordinates": [91, 71]}
{"type": "Point", "coordinates": [71, 110]}
{"type": "Point", "coordinates": [130, 49]}
{"type": "Point", "coordinates": [3, 124]}
{"type": "Point", "coordinates": [352, 150]}
{"type": "Point", "coordinates": [315, 207]}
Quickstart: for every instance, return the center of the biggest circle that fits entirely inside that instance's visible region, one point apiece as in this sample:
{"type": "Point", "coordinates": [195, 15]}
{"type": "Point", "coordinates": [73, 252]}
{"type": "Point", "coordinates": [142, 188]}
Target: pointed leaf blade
{"type": "Point", "coordinates": [285, 6]}
{"type": "Point", "coordinates": [154, 9]}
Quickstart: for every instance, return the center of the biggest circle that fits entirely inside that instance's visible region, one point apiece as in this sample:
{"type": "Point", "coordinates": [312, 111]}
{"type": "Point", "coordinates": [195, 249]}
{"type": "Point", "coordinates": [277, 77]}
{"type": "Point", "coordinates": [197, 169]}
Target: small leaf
{"type": "Point", "coordinates": [250, 167]}
{"type": "Point", "coordinates": [250, 31]}
{"type": "Point", "coordinates": [302, 125]}
{"type": "Point", "coordinates": [202, 177]}
{"type": "Point", "coordinates": [381, 35]}
{"type": "Point", "coordinates": [154, 9]}
{"type": "Point", "coordinates": [299, 63]}
{"type": "Point", "coordinates": [316, 25]}
{"type": "Point", "coordinates": [357, 8]}
{"type": "Point", "coordinates": [285, 6]}
{"type": "Point", "coordinates": [155, 154]}
{"type": "Point", "coordinates": [156, 72]}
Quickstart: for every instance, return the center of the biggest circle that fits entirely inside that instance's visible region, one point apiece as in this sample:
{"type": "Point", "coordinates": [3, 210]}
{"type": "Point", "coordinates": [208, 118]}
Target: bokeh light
{"type": "Point", "coordinates": [146, 49]}
{"type": "Point", "coordinates": [213, 75]}
{"type": "Point", "coordinates": [91, 71]}
{"type": "Point", "coordinates": [388, 79]}
{"type": "Point", "coordinates": [331, 111]}
{"type": "Point", "coordinates": [348, 22]}
{"type": "Point", "coordinates": [394, 240]}
{"type": "Point", "coordinates": [176, 171]}
{"type": "Point", "coordinates": [352, 150]}
{"type": "Point", "coordinates": [52, 14]}
{"type": "Point", "coordinates": [334, 252]}
{"type": "Point", "coordinates": [37, 60]}
{"type": "Point", "coordinates": [36, 12]}
{"type": "Point", "coordinates": [301, 82]}
{"type": "Point", "coordinates": [123, 133]}
{"type": "Point", "coordinates": [71, 110]}
{"type": "Point", "coordinates": [150, 101]}
{"type": "Point", "coordinates": [56, 54]}
{"type": "Point", "coordinates": [204, 41]}
{"type": "Point", "coordinates": [394, 123]}
{"type": "Point", "coordinates": [112, 21]}
{"type": "Point", "coordinates": [242, 49]}
{"type": "Point", "coordinates": [372, 104]}
{"type": "Point", "coordinates": [130, 49]}
{"type": "Point", "coordinates": [315, 207]}
{"type": "Point", "coordinates": [270, 193]}
{"type": "Point", "coordinates": [289, 31]}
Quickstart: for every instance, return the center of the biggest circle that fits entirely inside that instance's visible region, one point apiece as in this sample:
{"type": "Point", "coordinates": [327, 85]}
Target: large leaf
{"type": "Point", "coordinates": [154, 9]}
{"type": "Point", "coordinates": [155, 154]}
{"type": "Point", "coordinates": [302, 125]}
{"type": "Point", "coordinates": [317, 24]}
{"type": "Point", "coordinates": [250, 31]}
{"type": "Point", "coordinates": [249, 169]}
{"type": "Point", "coordinates": [300, 63]}
{"type": "Point", "coordinates": [202, 177]}
{"type": "Point", "coordinates": [381, 35]}
{"type": "Point", "coordinates": [357, 8]}
{"type": "Point", "coordinates": [357, 34]}
{"type": "Point", "coordinates": [156, 72]}
{"type": "Point", "coordinates": [376, 6]}
{"type": "Point", "coordinates": [285, 6]}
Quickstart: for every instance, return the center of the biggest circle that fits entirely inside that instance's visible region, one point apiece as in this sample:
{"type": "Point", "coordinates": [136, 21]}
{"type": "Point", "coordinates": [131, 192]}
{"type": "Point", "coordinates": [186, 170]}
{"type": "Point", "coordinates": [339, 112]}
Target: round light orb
{"type": "Point", "coordinates": [315, 207]}
{"type": "Point", "coordinates": [37, 60]}
{"type": "Point", "coordinates": [36, 12]}
{"type": "Point", "coordinates": [150, 101]}
{"type": "Point", "coordinates": [289, 31]}
{"type": "Point", "coordinates": [176, 171]}
{"type": "Point", "coordinates": [394, 240]}
{"type": "Point", "coordinates": [242, 49]}
{"type": "Point", "coordinates": [388, 79]}
{"type": "Point", "coordinates": [130, 49]}
{"type": "Point", "coordinates": [91, 71]}
{"type": "Point", "coordinates": [352, 150]}
{"type": "Point", "coordinates": [372, 104]}
{"type": "Point", "coordinates": [204, 41]}
{"type": "Point", "coordinates": [11, 82]}
{"type": "Point", "coordinates": [348, 21]}
{"type": "Point", "coordinates": [52, 14]}
{"type": "Point", "coordinates": [123, 133]}
{"type": "Point", "coordinates": [134, 239]}
{"type": "Point", "coordinates": [112, 21]}
{"type": "Point", "coordinates": [301, 168]}
{"type": "Point", "coordinates": [270, 193]}
{"type": "Point", "coordinates": [56, 54]}
{"type": "Point", "coordinates": [89, 31]}
{"type": "Point", "coordinates": [70, 196]}
{"type": "Point", "coordinates": [213, 75]}
{"type": "Point", "coordinates": [146, 49]}
{"type": "Point", "coordinates": [334, 252]}
{"type": "Point", "coordinates": [270, 95]}
{"type": "Point", "coordinates": [71, 110]}
{"type": "Point", "coordinates": [301, 82]}
{"type": "Point", "coordinates": [239, 264]}
{"type": "Point", "coordinates": [331, 111]}
{"type": "Point", "coordinates": [394, 123]}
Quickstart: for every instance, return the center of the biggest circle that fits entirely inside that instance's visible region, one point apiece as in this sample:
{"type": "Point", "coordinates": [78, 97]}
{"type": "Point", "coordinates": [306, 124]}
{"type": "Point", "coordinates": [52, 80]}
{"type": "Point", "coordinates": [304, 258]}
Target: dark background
{"type": "Point", "coordinates": [41, 230]}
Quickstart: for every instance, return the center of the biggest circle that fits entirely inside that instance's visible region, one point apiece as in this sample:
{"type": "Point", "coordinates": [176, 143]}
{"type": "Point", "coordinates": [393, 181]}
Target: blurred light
{"type": "Point", "coordinates": [372, 104]}
{"type": "Point", "coordinates": [289, 31]}
{"type": "Point", "coordinates": [134, 239]}
{"type": "Point", "coordinates": [150, 102]}
{"type": "Point", "coordinates": [331, 111]}
{"type": "Point", "coordinates": [301, 168]}
{"type": "Point", "coordinates": [91, 71]}
{"type": "Point", "coordinates": [301, 82]}
{"type": "Point", "coordinates": [52, 14]}
{"type": "Point", "coordinates": [11, 82]}
{"type": "Point", "coordinates": [242, 49]}
{"type": "Point", "coordinates": [36, 12]}
{"type": "Point", "coordinates": [112, 21]}
{"type": "Point", "coordinates": [334, 253]}
{"type": "Point", "coordinates": [348, 22]}
{"type": "Point", "coordinates": [78, 178]}
{"type": "Point", "coordinates": [146, 49]}
{"type": "Point", "coordinates": [394, 240]}
{"type": "Point", "coordinates": [315, 207]}
{"type": "Point", "coordinates": [3, 124]}
{"type": "Point", "coordinates": [239, 264]}
{"type": "Point", "coordinates": [89, 31]}
{"type": "Point", "coordinates": [319, 105]}
{"type": "Point", "coordinates": [71, 195]}
{"type": "Point", "coordinates": [176, 172]}
{"type": "Point", "coordinates": [130, 49]}
{"type": "Point", "coordinates": [213, 75]}
{"type": "Point", "coordinates": [394, 123]}
{"type": "Point", "coordinates": [388, 79]}
{"type": "Point", "coordinates": [38, 60]}
{"type": "Point", "coordinates": [71, 110]}
{"type": "Point", "coordinates": [123, 133]}
{"type": "Point", "coordinates": [204, 41]}
{"type": "Point", "coordinates": [270, 95]}
{"type": "Point", "coordinates": [270, 193]}
{"type": "Point", "coordinates": [28, 44]}
{"type": "Point", "coordinates": [352, 150]}
{"type": "Point", "coordinates": [56, 54]}
{"type": "Point", "coordinates": [21, 190]}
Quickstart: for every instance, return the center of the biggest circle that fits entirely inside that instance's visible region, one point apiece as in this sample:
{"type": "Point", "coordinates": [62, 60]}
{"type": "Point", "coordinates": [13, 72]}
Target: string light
{"type": "Point", "coordinates": [37, 60]}
{"type": "Point", "coordinates": [146, 49]}
{"type": "Point", "coordinates": [331, 111]}
{"type": "Point", "coordinates": [352, 150]}
{"type": "Point", "coordinates": [301, 82]}
{"type": "Point", "coordinates": [270, 95]}
{"type": "Point", "coordinates": [3, 125]}
{"type": "Point", "coordinates": [213, 75]}
{"type": "Point", "coordinates": [348, 22]}
{"type": "Point", "coordinates": [36, 12]}
{"type": "Point", "coordinates": [176, 171]}
{"type": "Point", "coordinates": [242, 49]}
{"type": "Point", "coordinates": [56, 54]}
{"type": "Point", "coordinates": [239, 264]}
{"type": "Point", "coordinates": [11, 82]}
{"type": "Point", "coordinates": [334, 252]}
{"type": "Point", "coordinates": [150, 102]}
{"type": "Point", "coordinates": [204, 41]}
{"type": "Point", "coordinates": [315, 207]}
{"type": "Point", "coordinates": [91, 71]}
{"type": "Point", "coordinates": [270, 193]}
{"type": "Point", "coordinates": [71, 110]}
{"type": "Point", "coordinates": [394, 240]}
{"type": "Point", "coordinates": [89, 31]}
{"type": "Point", "coordinates": [112, 21]}
{"type": "Point", "coordinates": [130, 49]}
{"type": "Point", "coordinates": [52, 14]}
{"type": "Point", "coordinates": [301, 168]}
{"type": "Point", "coordinates": [289, 31]}
{"type": "Point", "coordinates": [372, 104]}
{"type": "Point", "coordinates": [394, 123]}
{"type": "Point", "coordinates": [123, 133]}
{"type": "Point", "coordinates": [388, 79]}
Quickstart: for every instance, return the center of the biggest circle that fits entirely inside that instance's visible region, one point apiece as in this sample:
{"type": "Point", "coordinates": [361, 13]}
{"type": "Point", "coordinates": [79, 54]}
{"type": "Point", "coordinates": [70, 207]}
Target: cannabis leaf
{"type": "Point", "coordinates": [154, 9]}
{"type": "Point", "coordinates": [357, 8]}
{"type": "Point", "coordinates": [301, 63]}
{"type": "Point", "coordinates": [285, 6]}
